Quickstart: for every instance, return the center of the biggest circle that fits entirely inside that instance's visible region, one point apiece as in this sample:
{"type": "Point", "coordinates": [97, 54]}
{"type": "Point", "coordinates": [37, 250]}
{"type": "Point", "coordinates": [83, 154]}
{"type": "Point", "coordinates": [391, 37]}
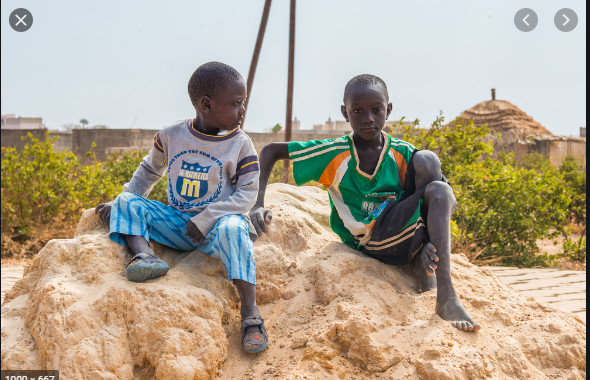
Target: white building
{"type": "Point", "coordinates": [296, 124]}
{"type": "Point", "coordinates": [332, 125]}
{"type": "Point", "coordinates": [10, 121]}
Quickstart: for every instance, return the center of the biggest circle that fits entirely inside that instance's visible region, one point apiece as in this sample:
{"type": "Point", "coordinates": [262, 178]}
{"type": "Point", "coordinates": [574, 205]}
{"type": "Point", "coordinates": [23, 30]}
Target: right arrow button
{"type": "Point", "coordinates": [566, 20]}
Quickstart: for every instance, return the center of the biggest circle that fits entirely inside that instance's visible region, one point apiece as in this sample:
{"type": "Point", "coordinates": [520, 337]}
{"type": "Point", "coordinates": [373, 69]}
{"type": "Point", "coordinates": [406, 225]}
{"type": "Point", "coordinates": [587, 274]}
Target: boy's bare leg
{"type": "Point", "coordinates": [427, 170]}
{"type": "Point", "coordinates": [253, 338]}
{"type": "Point", "coordinates": [440, 202]}
{"type": "Point", "coordinates": [247, 292]}
{"type": "Point", "coordinates": [138, 244]}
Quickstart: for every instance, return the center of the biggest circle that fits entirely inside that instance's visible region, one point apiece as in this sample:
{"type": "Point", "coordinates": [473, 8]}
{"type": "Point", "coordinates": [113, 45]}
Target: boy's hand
{"type": "Point", "coordinates": [193, 232]}
{"type": "Point", "coordinates": [429, 258]}
{"type": "Point", "coordinates": [104, 212]}
{"type": "Point", "coordinates": [260, 217]}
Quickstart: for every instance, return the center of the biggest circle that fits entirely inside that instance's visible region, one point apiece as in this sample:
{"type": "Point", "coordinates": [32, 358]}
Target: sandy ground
{"type": "Point", "coordinates": [330, 312]}
{"type": "Point", "coordinates": [10, 275]}
{"type": "Point", "coordinates": [564, 289]}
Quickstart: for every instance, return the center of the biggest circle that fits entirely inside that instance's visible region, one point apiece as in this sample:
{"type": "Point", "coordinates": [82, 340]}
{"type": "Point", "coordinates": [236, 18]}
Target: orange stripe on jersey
{"type": "Point", "coordinates": [402, 166]}
{"type": "Point", "coordinates": [329, 173]}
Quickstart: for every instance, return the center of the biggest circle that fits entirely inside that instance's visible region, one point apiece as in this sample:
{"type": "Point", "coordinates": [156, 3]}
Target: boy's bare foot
{"type": "Point", "coordinates": [424, 281]}
{"type": "Point", "coordinates": [451, 309]}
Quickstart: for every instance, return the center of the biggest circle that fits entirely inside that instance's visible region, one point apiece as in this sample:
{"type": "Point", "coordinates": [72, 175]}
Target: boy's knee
{"type": "Point", "coordinates": [440, 191]}
{"type": "Point", "coordinates": [126, 197]}
{"type": "Point", "coordinates": [426, 161]}
{"type": "Point", "coordinates": [236, 224]}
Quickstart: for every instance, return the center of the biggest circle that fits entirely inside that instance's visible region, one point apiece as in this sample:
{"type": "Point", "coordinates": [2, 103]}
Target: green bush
{"type": "Point", "coordinates": [574, 178]}
{"type": "Point", "coordinates": [40, 185]}
{"type": "Point", "coordinates": [120, 168]}
{"type": "Point", "coordinates": [276, 175]}
{"type": "Point", "coordinates": [575, 250]}
{"type": "Point", "coordinates": [37, 184]}
{"type": "Point", "coordinates": [504, 206]}
{"type": "Point", "coordinates": [506, 209]}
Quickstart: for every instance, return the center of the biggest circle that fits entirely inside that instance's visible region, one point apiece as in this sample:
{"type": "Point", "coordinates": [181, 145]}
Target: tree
{"type": "Point", "coordinates": [84, 123]}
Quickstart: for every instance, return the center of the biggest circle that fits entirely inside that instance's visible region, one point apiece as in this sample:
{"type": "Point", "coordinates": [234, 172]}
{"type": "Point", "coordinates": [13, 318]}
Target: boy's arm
{"type": "Point", "coordinates": [269, 155]}
{"type": "Point", "coordinates": [149, 172]}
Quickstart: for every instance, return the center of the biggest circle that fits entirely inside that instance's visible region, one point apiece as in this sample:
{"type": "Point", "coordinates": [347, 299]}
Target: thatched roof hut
{"type": "Point", "coordinates": [520, 133]}
{"type": "Point", "coordinates": [506, 118]}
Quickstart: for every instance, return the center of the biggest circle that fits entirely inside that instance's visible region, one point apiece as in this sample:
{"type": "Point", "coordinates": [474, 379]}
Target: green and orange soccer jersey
{"type": "Point", "coordinates": [355, 196]}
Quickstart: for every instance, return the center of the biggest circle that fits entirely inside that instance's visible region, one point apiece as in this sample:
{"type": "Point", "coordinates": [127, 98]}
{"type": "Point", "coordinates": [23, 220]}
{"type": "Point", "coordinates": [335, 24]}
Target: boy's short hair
{"type": "Point", "coordinates": [365, 80]}
{"type": "Point", "coordinates": [209, 78]}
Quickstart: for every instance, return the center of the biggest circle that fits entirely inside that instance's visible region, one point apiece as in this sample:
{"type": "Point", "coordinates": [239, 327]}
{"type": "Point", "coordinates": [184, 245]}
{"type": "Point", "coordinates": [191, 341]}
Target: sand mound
{"type": "Point", "coordinates": [331, 313]}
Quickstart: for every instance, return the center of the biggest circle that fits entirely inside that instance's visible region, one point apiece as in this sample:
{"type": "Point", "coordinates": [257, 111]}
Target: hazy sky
{"type": "Point", "coordinates": [127, 63]}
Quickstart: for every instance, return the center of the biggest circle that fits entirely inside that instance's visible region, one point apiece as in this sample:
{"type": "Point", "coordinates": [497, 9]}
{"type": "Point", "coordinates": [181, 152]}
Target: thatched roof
{"type": "Point", "coordinates": [504, 117]}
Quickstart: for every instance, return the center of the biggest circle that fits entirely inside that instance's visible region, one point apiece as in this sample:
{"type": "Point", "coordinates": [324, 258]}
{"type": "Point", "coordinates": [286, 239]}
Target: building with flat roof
{"type": "Point", "coordinates": [10, 121]}
{"type": "Point", "coordinates": [332, 125]}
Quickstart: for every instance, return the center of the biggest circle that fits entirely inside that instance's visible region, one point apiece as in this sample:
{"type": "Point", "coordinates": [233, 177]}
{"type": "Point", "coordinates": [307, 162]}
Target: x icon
{"type": "Point", "coordinates": [20, 20]}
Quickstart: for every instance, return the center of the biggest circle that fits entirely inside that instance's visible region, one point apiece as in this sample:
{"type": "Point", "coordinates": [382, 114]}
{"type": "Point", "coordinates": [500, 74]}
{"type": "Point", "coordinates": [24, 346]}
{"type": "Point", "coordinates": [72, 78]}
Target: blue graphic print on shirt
{"type": "Point", "coordinates": [192, 182]}
{"type": "Point", "coordinates": [195, 178]}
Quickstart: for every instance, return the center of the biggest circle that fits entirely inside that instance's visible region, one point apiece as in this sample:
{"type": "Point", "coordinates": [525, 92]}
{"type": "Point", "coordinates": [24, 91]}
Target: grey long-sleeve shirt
{"type": "Point", "coordinates": [211, 176]}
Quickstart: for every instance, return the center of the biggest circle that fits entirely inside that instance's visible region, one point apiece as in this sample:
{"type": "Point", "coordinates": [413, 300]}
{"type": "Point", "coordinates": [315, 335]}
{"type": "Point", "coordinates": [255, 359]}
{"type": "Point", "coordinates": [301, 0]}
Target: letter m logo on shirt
{"type": "Point", "coordinates": [192, 181]}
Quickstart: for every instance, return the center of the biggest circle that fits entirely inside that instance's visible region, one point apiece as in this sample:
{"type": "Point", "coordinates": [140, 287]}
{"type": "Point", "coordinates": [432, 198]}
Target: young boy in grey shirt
{"type": "Point", "coordinates": [213, 175]}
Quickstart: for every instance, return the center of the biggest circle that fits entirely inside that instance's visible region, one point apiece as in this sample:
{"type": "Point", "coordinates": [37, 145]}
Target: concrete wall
{"type": "Point", "coordinates": [124, 140]}
{"type": "Point", "coordinates": [12, 137]}
{"type": "Point", "coordinates": [261, 139]}
{"type": "Point", "coordinates": [556, 148]}
{"type": "Point", "coordinates": [109, 141]}
{"type": "Point", "coordinates": [64, 141]}
{"type": "Point", "coordinates": [562, 148]}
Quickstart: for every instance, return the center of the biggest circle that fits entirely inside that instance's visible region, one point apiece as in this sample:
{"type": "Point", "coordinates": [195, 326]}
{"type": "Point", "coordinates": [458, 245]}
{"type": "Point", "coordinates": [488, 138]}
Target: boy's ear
{"type": "Point", "coordinates": [389, 108]}
{"type": "Point", "coordinates": [204, 103]}
{"type": "Point", "coordinates": [344, 113]}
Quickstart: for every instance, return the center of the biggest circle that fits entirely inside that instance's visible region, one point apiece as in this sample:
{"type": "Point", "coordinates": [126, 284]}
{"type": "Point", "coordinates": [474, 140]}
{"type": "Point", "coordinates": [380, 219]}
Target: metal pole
{"type": "Point", "coordinates": [257, 48]}
{"type": "Point", "coordinates": [289, 117]}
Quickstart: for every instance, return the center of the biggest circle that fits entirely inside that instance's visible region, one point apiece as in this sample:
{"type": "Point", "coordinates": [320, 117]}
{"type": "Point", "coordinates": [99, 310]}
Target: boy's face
{"type": "Point", "coordinates": [366, 108]}
{"type": "Point", "coordinates": [226, 108]}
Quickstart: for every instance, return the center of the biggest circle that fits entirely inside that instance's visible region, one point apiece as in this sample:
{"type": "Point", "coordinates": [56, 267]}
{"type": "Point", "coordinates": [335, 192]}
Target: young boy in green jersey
{"type": "Point", "coordinates": [389, 200]}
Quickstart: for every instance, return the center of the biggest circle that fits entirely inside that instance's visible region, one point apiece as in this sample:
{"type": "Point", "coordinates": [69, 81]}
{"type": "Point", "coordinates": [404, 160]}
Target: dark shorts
{"type": "Point", "coordinates": [400, 230]}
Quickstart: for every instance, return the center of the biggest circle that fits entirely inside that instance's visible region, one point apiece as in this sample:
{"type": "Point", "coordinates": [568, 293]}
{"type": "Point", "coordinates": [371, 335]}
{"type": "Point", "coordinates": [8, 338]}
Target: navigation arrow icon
{"type": "Point", "coordinates": [526, 19]}
{"type": "Point", "coordinates": [570, 17]}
